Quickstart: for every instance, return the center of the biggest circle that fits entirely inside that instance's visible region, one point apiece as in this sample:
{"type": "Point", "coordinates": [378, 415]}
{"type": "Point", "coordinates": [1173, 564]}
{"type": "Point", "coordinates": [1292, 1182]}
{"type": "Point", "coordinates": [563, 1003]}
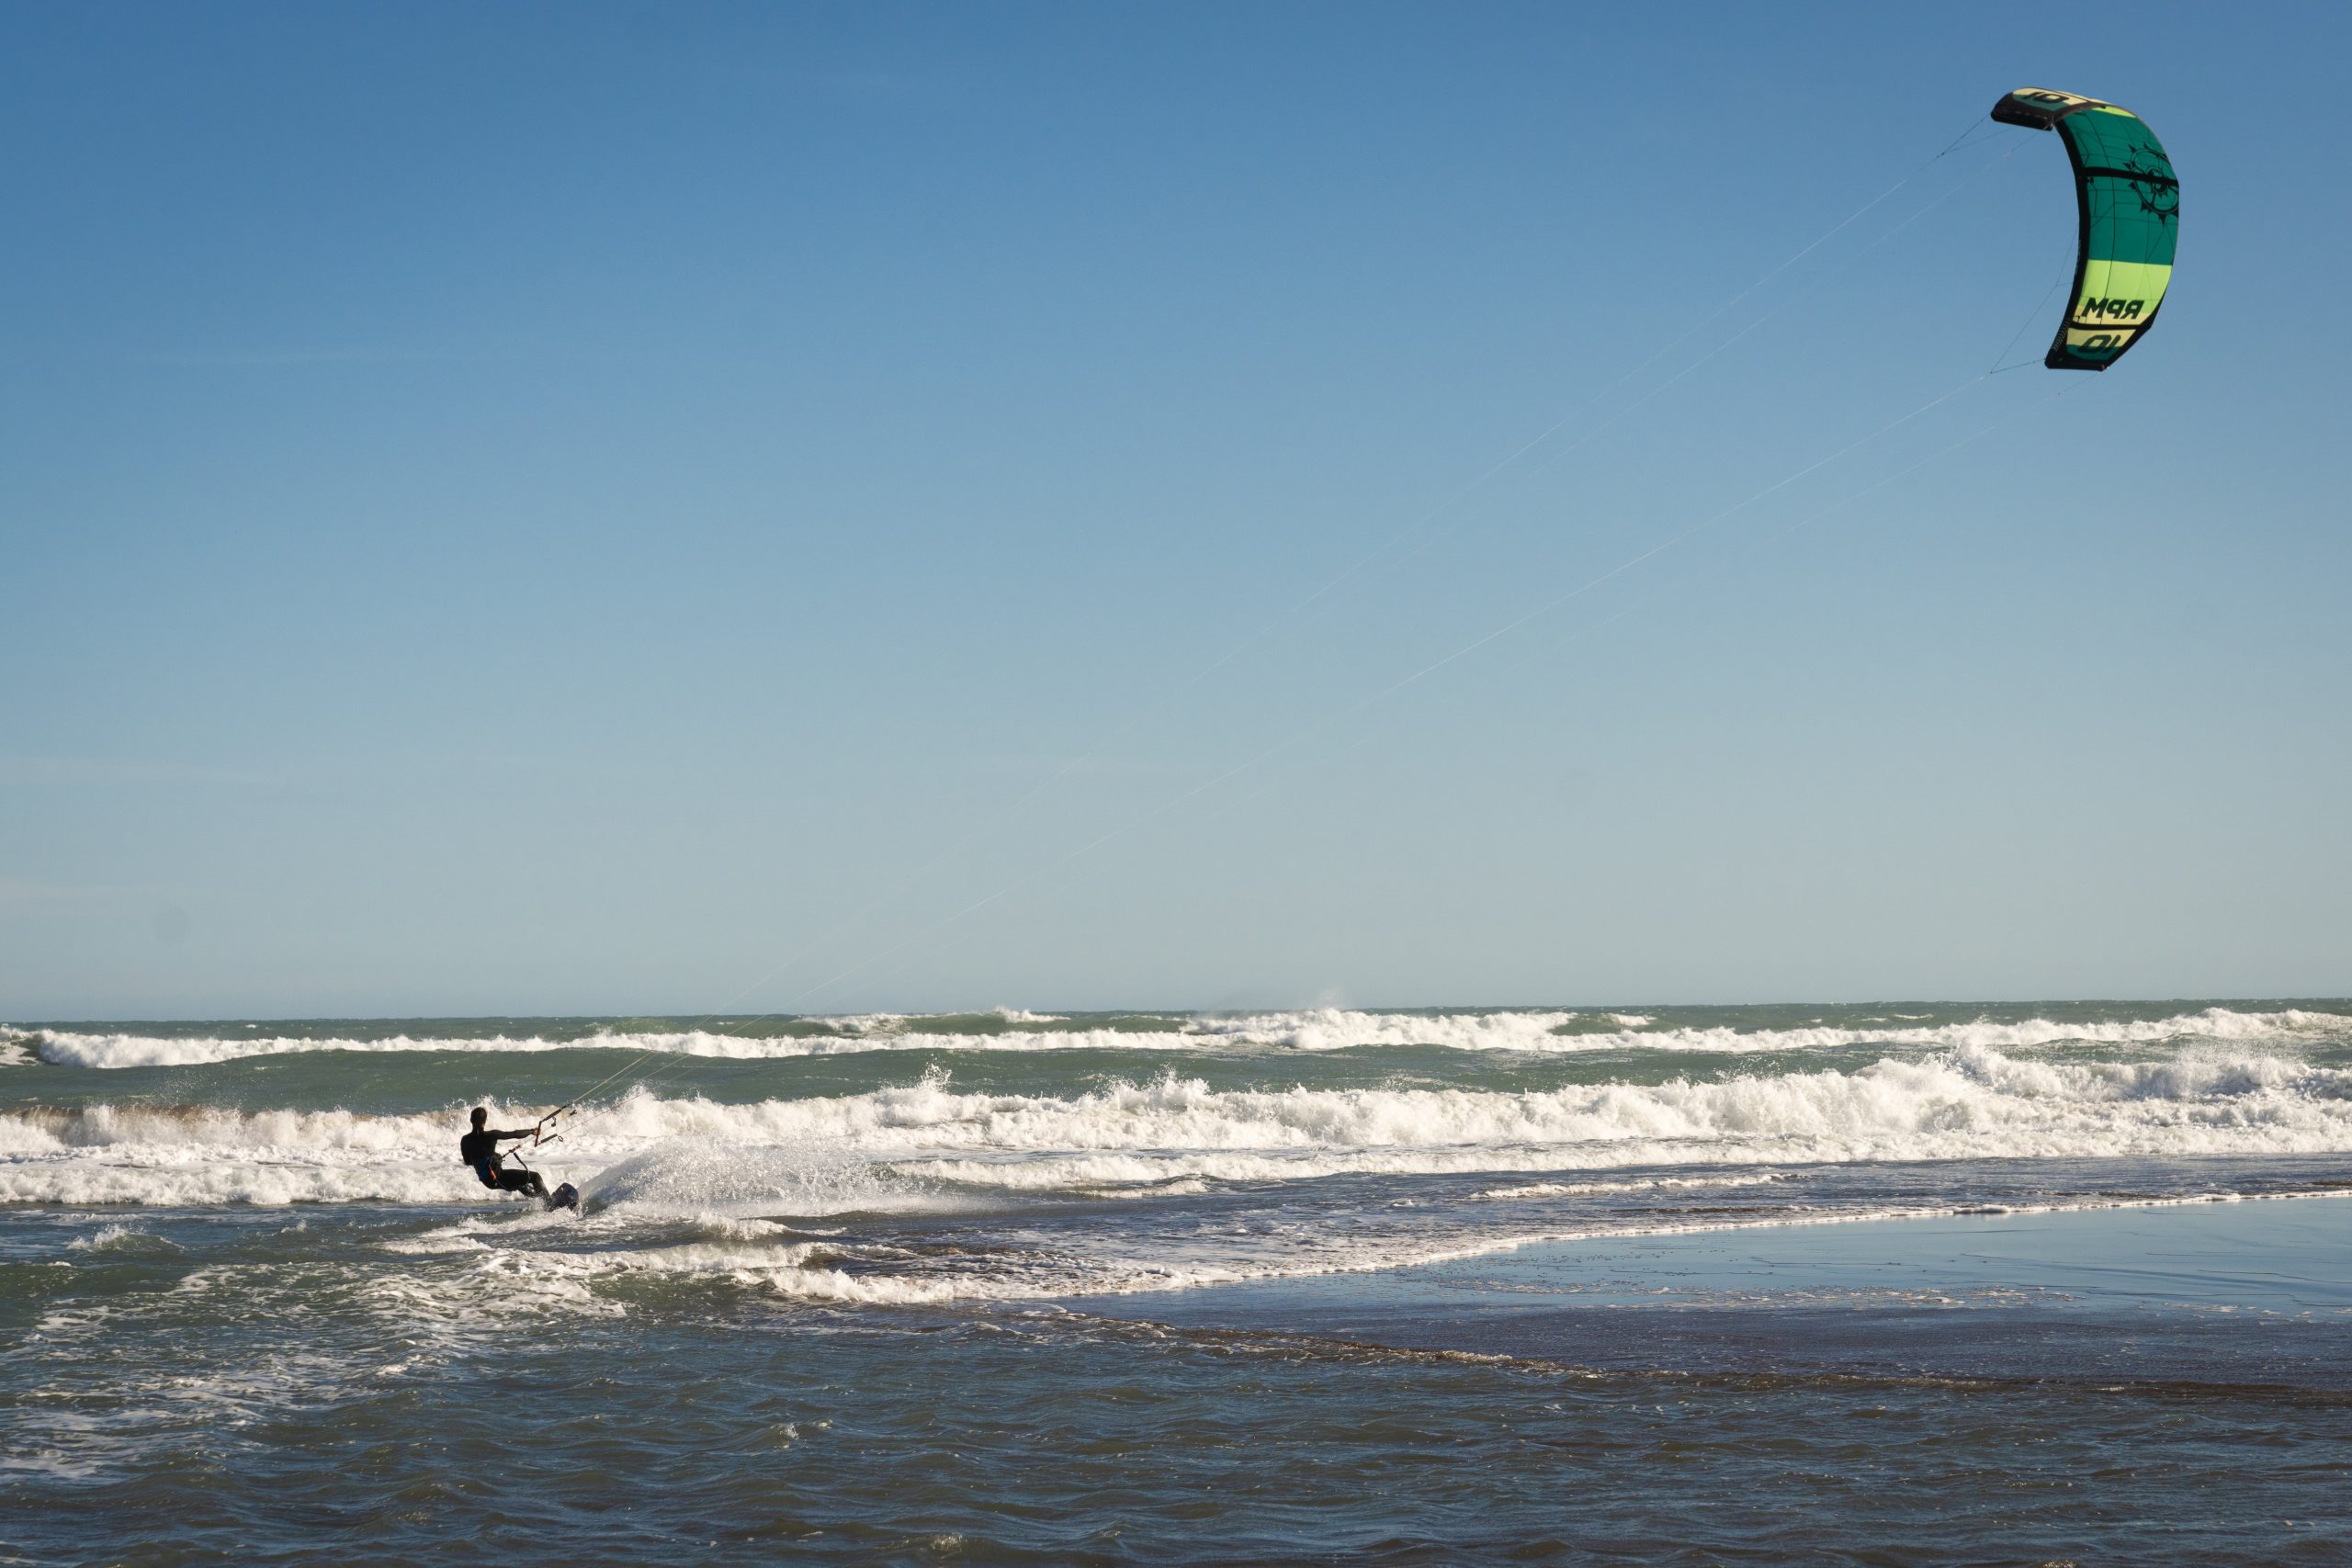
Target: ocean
{"type": "Point", "coordinates": [1889, 1283]}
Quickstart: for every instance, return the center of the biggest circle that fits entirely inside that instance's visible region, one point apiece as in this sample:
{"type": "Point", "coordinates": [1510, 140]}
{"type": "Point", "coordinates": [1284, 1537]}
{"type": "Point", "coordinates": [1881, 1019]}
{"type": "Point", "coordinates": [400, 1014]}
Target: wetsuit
{"type": "Point", "coordinates": [479, 1150]}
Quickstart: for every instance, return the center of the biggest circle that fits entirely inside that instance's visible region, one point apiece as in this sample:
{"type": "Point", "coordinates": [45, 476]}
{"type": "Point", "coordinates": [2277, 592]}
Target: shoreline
{"type": "Point", "coordinates": [2224, 1291]}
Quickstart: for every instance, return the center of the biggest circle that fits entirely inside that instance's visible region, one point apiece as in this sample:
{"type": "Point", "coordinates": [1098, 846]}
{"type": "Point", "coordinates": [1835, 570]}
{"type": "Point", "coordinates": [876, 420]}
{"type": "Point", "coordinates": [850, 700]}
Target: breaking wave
{"type": "Point", "coordinates": [925, 1141]}
{"type": "Point", "coordinates": [1327, 1028]}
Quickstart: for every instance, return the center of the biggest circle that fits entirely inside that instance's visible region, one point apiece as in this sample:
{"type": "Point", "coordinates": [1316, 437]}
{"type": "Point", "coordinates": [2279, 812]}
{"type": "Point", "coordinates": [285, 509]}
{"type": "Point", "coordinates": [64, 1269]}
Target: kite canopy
{"type": "Point", "coordinates": [2129, 204]}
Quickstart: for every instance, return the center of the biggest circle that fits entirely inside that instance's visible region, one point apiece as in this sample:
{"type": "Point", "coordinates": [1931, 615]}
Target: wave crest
{"type": "Point", "coordinates": [1321, 1028]}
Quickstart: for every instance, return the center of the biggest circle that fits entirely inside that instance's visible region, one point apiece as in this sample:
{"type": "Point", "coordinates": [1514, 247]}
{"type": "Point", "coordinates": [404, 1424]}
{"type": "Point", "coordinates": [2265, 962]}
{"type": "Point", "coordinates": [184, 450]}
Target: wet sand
{"type": "Point", "coordinates": [2201, 1293]}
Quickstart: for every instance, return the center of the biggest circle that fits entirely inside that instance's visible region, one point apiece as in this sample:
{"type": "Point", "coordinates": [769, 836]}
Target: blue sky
{"type": "Point", "coordinates": [589, 508]}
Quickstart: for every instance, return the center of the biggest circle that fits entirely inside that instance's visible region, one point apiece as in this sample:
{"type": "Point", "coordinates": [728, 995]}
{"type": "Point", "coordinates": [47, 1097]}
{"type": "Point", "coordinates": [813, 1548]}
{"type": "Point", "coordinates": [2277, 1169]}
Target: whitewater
{"type": "Point", "coordinates": [1083, 1154]}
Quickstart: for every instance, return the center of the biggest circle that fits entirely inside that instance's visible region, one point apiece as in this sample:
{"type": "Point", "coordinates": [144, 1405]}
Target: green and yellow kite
{"type": "Point", "coordinates": [2130, 203]}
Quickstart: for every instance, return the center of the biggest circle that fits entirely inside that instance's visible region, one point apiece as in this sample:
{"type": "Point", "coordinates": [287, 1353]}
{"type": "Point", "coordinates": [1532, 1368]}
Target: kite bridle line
{"type": "Point", "coordinates": [2026, 325]}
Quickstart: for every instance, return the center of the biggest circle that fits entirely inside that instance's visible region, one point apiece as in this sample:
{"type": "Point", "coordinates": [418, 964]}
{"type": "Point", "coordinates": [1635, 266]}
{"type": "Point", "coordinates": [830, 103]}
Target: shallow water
{"type": "Point", "coordinates": [1157, 1287]}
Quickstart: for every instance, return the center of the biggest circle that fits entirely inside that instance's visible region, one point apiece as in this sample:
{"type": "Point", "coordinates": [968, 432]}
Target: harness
{"type": "Point", "coordinates": [516, 1156]}
{"type": "Point", "coordinates": [490, 1167]}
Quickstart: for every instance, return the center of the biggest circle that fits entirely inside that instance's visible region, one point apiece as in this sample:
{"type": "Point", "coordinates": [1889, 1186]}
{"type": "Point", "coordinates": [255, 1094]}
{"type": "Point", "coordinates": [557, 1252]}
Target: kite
{"type": "Point", "coordinates": [2130, 204]}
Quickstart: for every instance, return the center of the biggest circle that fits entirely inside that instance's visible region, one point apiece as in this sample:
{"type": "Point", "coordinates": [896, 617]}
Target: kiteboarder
{"type": "Point", "coordinates": [478, 1148]}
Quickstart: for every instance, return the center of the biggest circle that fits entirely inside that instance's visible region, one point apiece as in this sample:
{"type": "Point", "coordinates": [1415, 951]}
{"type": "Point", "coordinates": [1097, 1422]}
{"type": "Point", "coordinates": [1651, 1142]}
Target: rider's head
{"type": "Point", "coordinates": [480, 1116]}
